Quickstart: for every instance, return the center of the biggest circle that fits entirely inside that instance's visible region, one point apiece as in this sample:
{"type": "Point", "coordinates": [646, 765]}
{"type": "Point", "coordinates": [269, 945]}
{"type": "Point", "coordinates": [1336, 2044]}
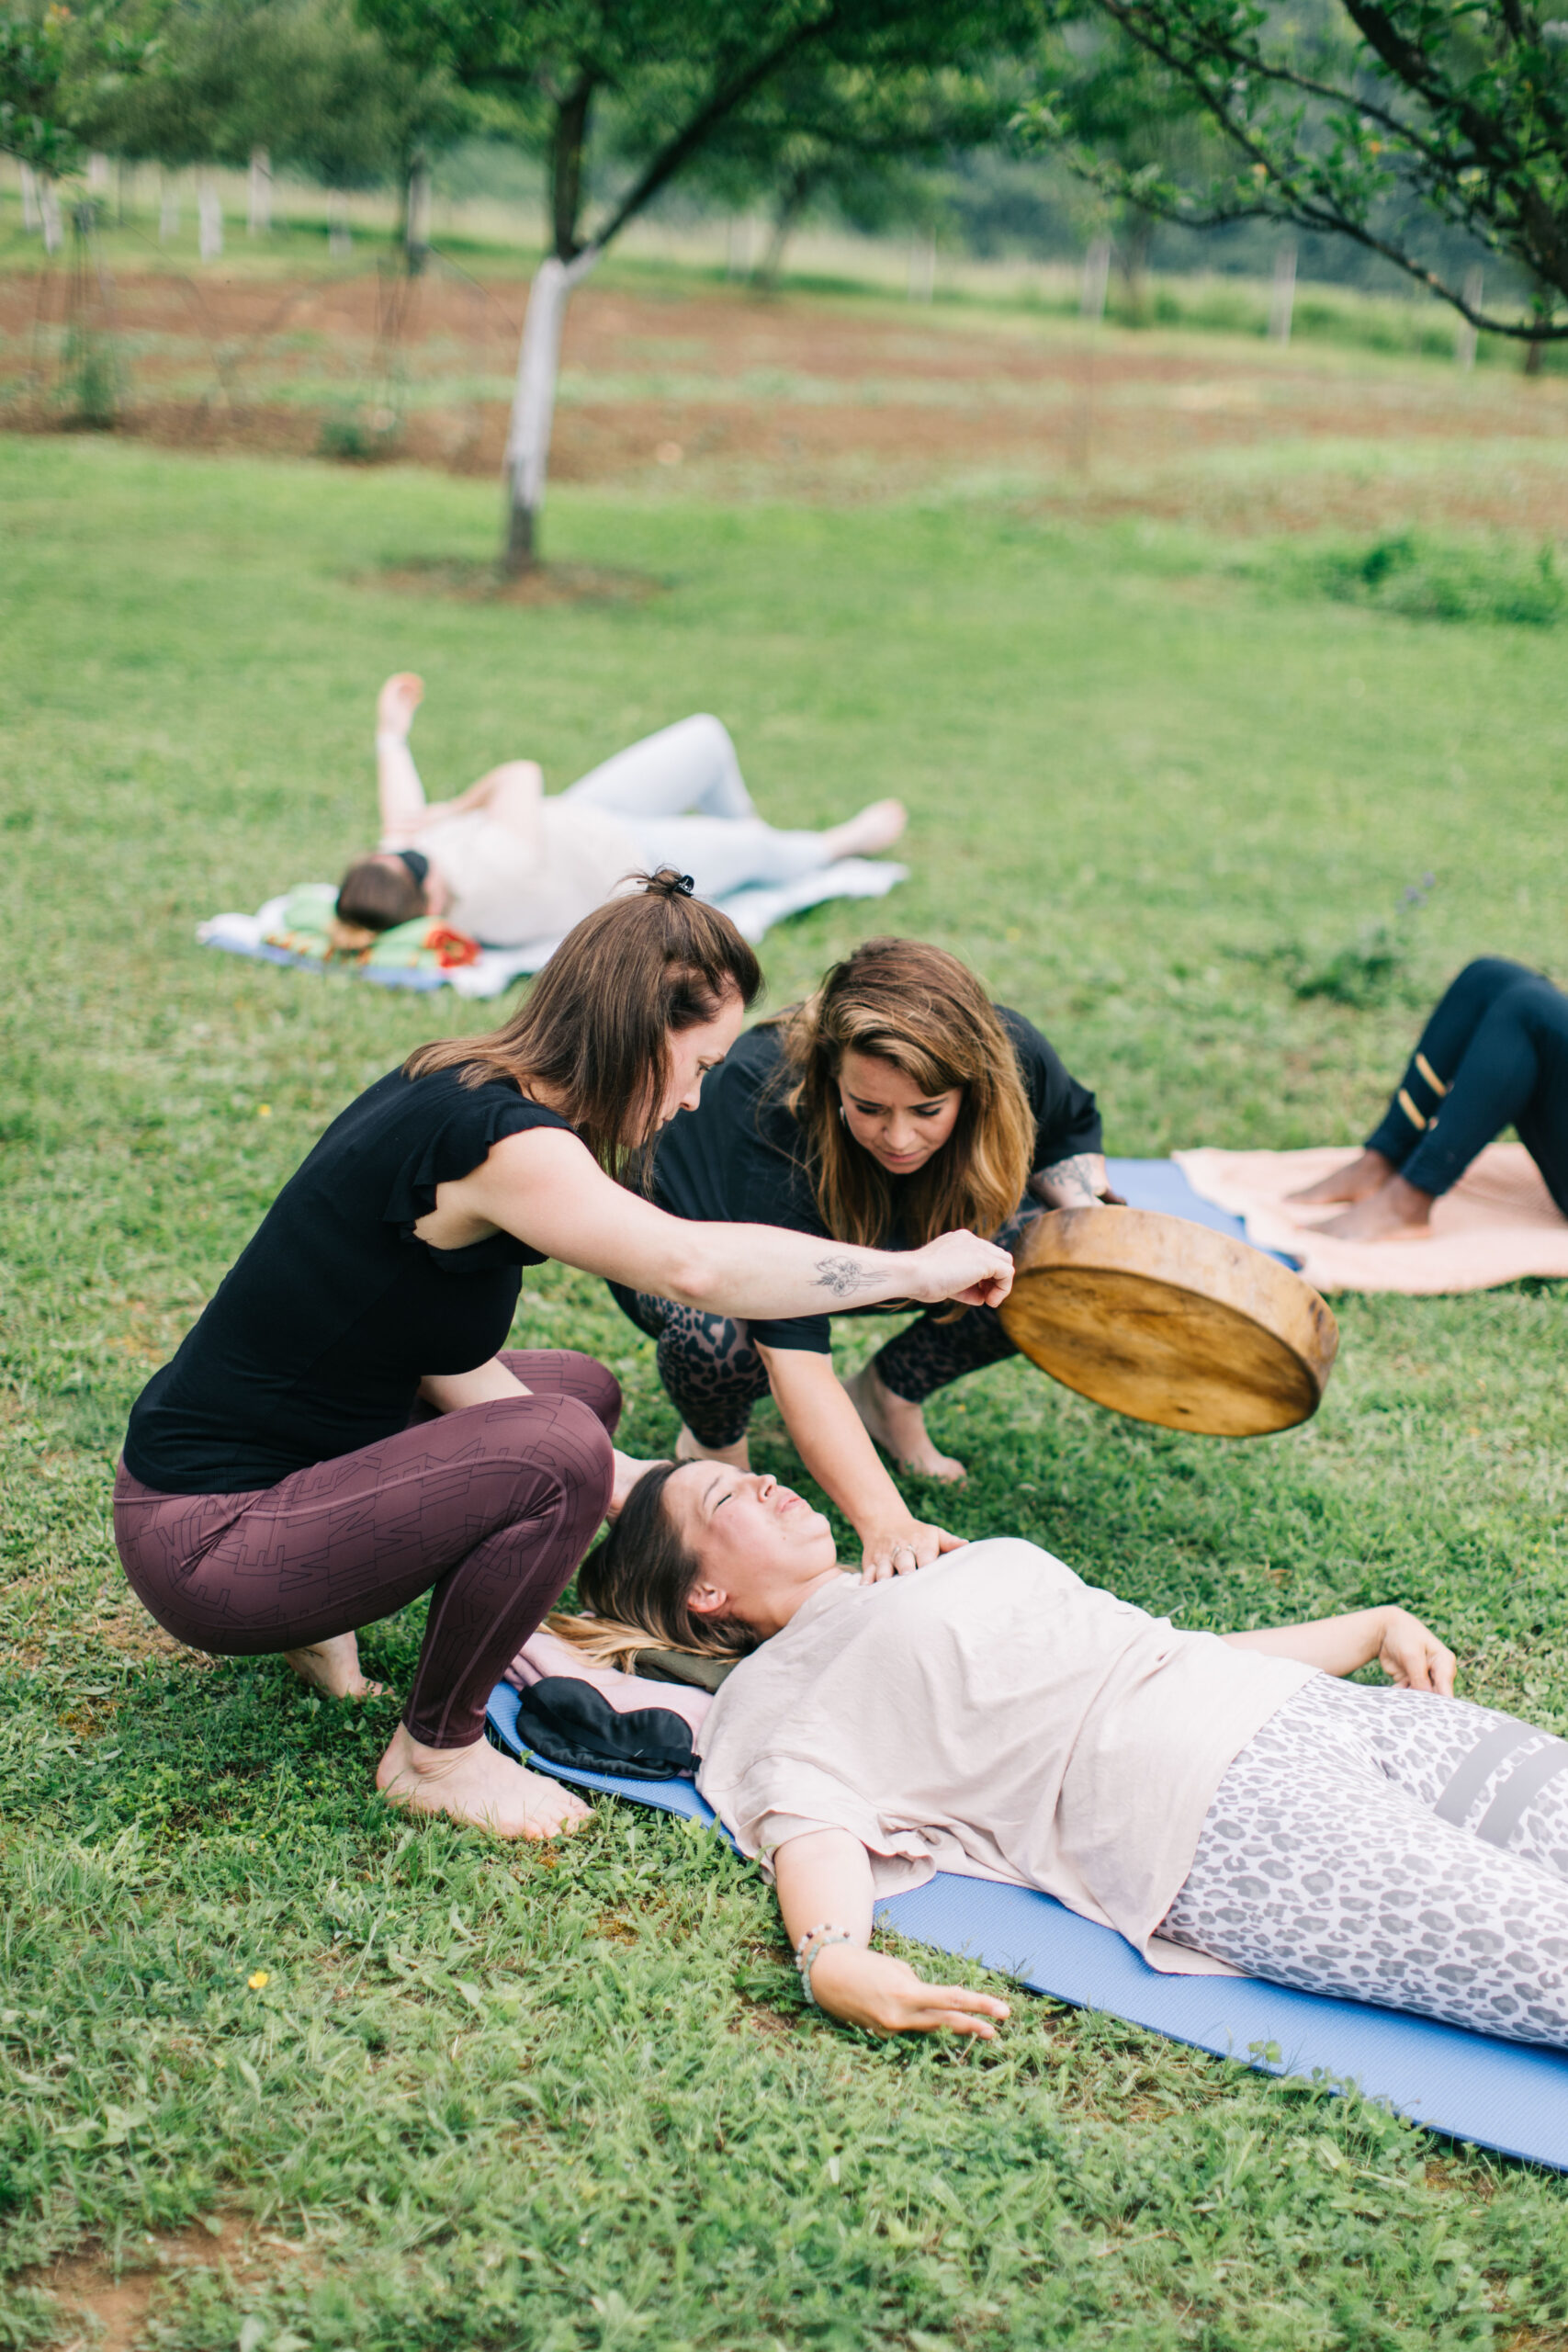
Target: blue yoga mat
{"type": "Point", "coordinates": [1161, 1184]}
{"type": "Point", "coordinates": [1497, 2094]}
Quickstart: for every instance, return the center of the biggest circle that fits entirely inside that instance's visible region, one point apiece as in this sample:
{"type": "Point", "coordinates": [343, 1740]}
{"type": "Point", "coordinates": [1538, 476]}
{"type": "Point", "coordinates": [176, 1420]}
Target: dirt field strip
{"type": "Point", "coordinates": [815, 399]}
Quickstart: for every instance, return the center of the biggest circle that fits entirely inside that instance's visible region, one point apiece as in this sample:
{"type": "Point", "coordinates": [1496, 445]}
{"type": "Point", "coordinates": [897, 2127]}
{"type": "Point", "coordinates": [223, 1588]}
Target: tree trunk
{"type": "Point", "coordinates": [259, 222]}
{"type": "Point", "coordinates": [210, 216]}
{"type": "Point", "coordinates": [32, 212]}
{"type": "Point", "coordinates": [168, 205]}
{"type": "Point", "coordinates": [1282, 301]}
{"type": "Point", "coordinates": [1137, 231]}
{"type": "Point", "coordinates": [534, 404]}
{"type": "Point", "coordinates": [792, 199]}
{"type": "Point", "coordinates": [1096, 277]}
{"type": "Point", "coordinates": [416, 214]}
{"type": "Point", "coordinates": [48, 210]}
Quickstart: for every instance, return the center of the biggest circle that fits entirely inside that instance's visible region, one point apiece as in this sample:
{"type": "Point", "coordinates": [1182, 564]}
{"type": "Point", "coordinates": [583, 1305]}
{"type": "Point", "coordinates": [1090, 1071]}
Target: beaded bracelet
{"type": "Point", "coordinates": [818, 1938]}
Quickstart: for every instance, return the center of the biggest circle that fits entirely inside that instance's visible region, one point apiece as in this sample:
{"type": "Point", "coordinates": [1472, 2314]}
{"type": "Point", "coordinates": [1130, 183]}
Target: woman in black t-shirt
{"type": "Point", "coordinates": [896, 1101]}
{"type": "Point", "coordinates": [343, 1429]}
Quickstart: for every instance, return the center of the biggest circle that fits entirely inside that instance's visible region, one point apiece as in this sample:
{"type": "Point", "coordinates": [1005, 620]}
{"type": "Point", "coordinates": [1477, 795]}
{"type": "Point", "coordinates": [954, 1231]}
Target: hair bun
{"type": "Point", "coordinates": [667, 884]}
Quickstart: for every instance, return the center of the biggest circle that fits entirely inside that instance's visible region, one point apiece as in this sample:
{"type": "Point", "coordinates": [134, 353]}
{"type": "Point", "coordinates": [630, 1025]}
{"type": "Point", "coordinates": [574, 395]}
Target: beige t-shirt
{"type": "Point", "coordinates": [509, 891]}
{"type": "Point", "coordinates": [996, 1716]}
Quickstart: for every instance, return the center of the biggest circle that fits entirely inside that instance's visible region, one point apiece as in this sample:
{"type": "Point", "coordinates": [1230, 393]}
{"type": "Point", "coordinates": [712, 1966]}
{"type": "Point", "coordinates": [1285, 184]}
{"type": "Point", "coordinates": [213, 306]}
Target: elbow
{"type": "Point", "coordinates": [692, 1274]}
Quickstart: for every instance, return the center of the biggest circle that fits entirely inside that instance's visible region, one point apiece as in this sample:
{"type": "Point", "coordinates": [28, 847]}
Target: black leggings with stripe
{"type": "Point", "coordinates": [1494, 1053]}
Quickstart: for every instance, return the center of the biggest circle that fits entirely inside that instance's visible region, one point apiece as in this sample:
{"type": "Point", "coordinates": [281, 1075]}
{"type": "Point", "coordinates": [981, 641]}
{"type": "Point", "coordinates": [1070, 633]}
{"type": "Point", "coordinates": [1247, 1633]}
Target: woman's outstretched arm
{"type": "Point", "coordinates": [824, 1881]}
{"type": "Point", "coordinates": [545, 1186]}
{"type": "Point", "coordinates": [832, 1440]}
{"type": "Point", "coordinates": [1409, 1653]}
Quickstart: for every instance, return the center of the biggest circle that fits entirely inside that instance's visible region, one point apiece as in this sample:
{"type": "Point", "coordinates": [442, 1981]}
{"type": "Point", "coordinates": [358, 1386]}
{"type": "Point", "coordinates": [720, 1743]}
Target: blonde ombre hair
{"type": "Point", "coordinates": [919, 1008]}
{"type": "Point", "coordinates": [636, 1586]}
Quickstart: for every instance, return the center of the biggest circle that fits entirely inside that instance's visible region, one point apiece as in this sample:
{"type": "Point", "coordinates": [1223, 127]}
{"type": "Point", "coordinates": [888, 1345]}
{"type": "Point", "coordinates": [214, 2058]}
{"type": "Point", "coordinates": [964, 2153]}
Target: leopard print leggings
{"type": "Point", "coordinates": [713, 1376]}
{"type": "Point", "coordinates": [1393, 1846]}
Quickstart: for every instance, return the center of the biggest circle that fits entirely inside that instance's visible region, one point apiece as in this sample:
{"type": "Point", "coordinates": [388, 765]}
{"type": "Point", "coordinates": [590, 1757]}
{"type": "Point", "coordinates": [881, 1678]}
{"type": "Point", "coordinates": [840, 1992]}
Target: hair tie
{"type": "Point", "coordinates": [684, 886]}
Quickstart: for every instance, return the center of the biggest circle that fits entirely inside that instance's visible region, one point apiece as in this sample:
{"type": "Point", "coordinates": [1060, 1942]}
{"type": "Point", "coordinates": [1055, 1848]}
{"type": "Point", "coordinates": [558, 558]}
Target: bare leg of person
{"type": "Point", "coordinates": [691, 1448]}
{"type": "Point", "coordinates": [871, 828]}
{"type": "Point", "coordinates": [899, 1428]}
{"type": "Point", "coordinates": [1393, 1209]}
{"type": "Point", "coordinates": [477, 1785]}
{"type": "Point", "coordinates": [1352, 1182]}
{"type": "Point", "coordinates": [332, 1668]}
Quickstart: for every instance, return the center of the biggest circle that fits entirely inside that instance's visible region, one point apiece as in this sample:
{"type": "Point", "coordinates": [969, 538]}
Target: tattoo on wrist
{"type": "Point", "coordinates": [1079, 1177]}
{"type": "Point", "coordinates": [841, 1275]}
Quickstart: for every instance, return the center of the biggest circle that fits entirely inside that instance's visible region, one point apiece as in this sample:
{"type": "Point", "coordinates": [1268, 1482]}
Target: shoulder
{"type": "Point", "coordinates": [1029, 1043]}
{"type": "Point", "coordinates": [755, 1059]}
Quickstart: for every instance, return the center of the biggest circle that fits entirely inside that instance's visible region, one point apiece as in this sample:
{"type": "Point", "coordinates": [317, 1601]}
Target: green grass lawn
{"type": "Point", "coordinates": [553, 2101]}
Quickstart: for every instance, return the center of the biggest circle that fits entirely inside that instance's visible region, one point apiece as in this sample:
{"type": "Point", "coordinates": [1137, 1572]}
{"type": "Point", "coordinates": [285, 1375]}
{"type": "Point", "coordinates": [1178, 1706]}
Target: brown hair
{"type": "Point", "coordinates": [596, 1026]}
{"type": "Point", "coordinates": [637, 1583]}
{"type": "Point", "coordinates": [377, 893]}
{"type": "Point", "coordinates": [924, 1012]}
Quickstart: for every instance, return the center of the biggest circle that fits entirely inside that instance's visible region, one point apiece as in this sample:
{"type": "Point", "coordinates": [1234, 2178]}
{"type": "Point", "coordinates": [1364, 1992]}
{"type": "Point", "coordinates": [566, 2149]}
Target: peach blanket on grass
{"type": "Point", "coordinates": [1498, 1224]}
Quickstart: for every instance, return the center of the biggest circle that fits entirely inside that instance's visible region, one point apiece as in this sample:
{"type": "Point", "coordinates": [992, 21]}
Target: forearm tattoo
{"type": "Point", "coordinates": [843, 1276]}
{"type": "Point", "coordinates": [1078, 1180]}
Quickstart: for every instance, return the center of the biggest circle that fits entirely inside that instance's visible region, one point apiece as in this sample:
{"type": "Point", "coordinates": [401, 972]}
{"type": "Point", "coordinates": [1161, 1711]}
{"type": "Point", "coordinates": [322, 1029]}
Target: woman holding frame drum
{"type": "Point", "coordinates": [896, 1101]}
{"type": "Point", "coordinates": [344, 1428]}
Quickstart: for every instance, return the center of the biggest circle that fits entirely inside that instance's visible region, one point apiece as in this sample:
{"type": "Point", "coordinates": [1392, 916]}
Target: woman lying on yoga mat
{"type": "Point", "coordinates": [897, 1101]}
{"type": "Point", "coordinates": [344, 1428]}
{"type": "Point", "coordinates": [1494, 1054]}
{"type": "Point", "coordinates": [994, 1714]}
{"type": "Point", "coordinates": [508, 866]}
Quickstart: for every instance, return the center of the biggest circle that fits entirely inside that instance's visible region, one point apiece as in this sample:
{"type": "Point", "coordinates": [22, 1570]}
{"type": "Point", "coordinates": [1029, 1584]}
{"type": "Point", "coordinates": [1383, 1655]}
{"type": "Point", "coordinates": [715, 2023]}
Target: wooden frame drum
{"type": "Point", "coordinates": [1171, 1322]}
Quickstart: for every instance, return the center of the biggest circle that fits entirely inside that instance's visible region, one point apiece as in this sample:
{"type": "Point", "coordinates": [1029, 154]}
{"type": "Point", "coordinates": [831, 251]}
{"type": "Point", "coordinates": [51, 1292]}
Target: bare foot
{"type": "Point", "coordinates": [687, 1449]}
{"type": "Point", "coordinates": [1352, 1182]}
{"type": "Point", "coordinates": [899, 1428]}
{"type": "Point", "coordinates": [333, 1666]}
{"type": "Point", "coordinates": [1396, 1210]}
{"type": "Point", "coordinates": [874, 827]}
{"type": "Point", "coordinates": [397, 701]}
{"type": "Point", "coordinates": [477, 1785]}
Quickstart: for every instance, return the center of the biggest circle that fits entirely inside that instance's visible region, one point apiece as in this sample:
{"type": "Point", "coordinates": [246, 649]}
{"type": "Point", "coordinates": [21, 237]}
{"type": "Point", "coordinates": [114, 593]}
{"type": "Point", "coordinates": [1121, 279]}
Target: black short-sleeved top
{"type": "Point", "coordinates": [740, 1158]}
{"type": "Point", "coordinates": [316, 1340]}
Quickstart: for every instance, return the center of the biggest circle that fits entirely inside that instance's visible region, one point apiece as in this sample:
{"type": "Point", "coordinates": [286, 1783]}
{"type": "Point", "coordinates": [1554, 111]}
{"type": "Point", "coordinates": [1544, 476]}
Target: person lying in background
{"type": "Point", "coordinates": [1494, 1054]}
{"type": "Point", "coordinates": [1214, 1798]}
{"type": "Point", "coordinates": [508, 865]}
{"type": "Point", "coordinates": [897, 1100]}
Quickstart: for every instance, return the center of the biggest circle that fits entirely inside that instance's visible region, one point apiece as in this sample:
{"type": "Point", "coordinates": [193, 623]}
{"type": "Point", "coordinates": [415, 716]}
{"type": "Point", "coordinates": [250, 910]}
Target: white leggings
{"type": "Point", "coordinates": [680, 795]}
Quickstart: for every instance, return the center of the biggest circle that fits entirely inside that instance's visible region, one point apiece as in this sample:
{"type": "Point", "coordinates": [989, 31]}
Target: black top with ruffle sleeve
{"type": "Point", "coordinates": [316, 1340]}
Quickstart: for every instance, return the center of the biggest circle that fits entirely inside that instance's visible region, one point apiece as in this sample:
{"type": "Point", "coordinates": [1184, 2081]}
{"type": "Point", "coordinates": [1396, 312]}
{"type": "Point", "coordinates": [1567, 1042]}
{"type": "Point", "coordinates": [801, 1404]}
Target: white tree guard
{"type": "Point", "coordinates": [210, 216]}
{"type": "Point", "coordinates": [538, 366]}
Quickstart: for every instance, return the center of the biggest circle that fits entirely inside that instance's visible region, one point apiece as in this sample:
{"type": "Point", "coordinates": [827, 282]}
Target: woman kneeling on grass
{"type": "Point", "coordinates": [897, 1101]}
{"type": "Point", "coordinates": [994, 1714]}
{"type": "Point", "coordinates": [343, 1429]}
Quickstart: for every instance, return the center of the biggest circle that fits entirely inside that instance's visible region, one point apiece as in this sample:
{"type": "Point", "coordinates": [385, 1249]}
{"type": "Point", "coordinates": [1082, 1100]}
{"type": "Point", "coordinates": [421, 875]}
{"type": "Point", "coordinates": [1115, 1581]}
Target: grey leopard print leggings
{"type": "Point", "coordinates": [713, 1376]}
{"type": "Point", "coordinates": [1397, 1847]}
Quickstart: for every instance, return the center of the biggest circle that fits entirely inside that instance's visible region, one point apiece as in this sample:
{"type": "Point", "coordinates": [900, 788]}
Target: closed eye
{"type": "Point", "coordinates": [881, 1110]}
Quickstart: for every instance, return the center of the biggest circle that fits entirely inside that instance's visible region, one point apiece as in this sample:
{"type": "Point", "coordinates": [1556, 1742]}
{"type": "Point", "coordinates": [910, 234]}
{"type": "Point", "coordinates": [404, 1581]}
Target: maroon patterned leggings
{"type": "Point", "coordinates": [489, 1510]}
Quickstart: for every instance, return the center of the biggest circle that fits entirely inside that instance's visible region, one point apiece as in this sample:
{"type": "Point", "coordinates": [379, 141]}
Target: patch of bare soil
{"type": "Point", "coordinates": [805, 399]}
{"type": "Point", "coordinates": [109, 2306]}
{"type": "Point", "coordinates": [555, 583]}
